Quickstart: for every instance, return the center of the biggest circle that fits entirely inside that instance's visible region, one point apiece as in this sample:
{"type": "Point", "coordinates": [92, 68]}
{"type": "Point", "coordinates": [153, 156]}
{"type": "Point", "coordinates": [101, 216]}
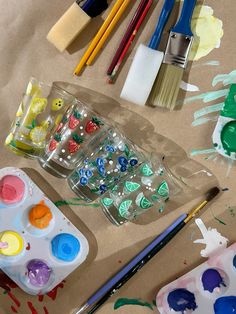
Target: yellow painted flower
{"type": "Point", "coordinates": [208, 31]}
{"type": "Point", "coordinates": [33, 90]}
{"type": "Point", "coordinates": [38, 134]}
{"type": "Point", "coordinates": [57, 104]}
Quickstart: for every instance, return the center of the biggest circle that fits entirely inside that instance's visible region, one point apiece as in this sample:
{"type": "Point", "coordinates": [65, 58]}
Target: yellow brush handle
{"type": "Point", "coordinates": [96, 39]}
{"type": "Point", "coordinates": [195, 211]}
{"type": "Point", "coordinates": [108, 31]}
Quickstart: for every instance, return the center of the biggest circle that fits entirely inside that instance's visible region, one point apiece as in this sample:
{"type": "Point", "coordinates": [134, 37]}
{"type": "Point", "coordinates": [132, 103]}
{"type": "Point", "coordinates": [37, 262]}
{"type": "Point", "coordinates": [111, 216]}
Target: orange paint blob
{"type": "Point", "coordinates": [40, 215]}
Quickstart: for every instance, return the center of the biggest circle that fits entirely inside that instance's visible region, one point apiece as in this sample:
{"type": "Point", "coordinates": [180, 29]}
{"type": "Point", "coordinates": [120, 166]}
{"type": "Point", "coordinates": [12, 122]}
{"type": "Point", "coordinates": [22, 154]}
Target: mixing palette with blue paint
{"type": "Point", "coordinates": [209, 288]}
{"type": "Point", "coordinates": [39, 246]}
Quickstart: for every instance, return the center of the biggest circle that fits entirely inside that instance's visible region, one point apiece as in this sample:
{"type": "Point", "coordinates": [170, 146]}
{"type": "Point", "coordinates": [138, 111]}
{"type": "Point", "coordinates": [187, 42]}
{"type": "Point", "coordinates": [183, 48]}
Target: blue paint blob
{"type": "Point", "coordinates": [234, 261]}
{"type": "Point", "coordinates": [181, 300]}
{"type": "Point", "coordinates": [122, 161]}
{"type": "Point", "coordinates": [225, 305]}
{"type": "Point", "coordinates": [212, 279]}
{"type": "Point", "coordinates": [83, 181]}
{"type": "Point", "coordinates": [65, 247]}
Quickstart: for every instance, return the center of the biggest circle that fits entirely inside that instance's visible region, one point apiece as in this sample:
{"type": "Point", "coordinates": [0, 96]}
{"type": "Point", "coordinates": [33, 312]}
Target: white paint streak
{"type": "Point", "coordinates": [189, 87]}
{"type": "Point", "coordinates": [213, 240]}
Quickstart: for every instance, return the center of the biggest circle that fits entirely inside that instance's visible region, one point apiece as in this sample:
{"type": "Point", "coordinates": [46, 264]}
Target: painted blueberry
{"type": "Point", "coordinates": [102, 170]}
{"type": "Point", "coordinates": [110, 148]}
{"type": "Point", "coordinates": [103, 188]}
{"type": "Point", "coordinates": [81, 172]}
{"type": "Point", "coordinates": [100, 162]}
{"type": "Point", "coordinates": [122, 161]}
{"type": "Point", "coordinates": [88, 173]}
{"type": "Point", "coordinates": [133, 162]}
{"type": "Point", "coordinates": [123, 168]}
{"type": "Point", "coordinates": [83, 181]}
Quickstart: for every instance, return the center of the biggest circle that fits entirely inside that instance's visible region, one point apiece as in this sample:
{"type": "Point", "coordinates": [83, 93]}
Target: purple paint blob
{"type": "Point", "coordinates": [234, 261]}
{"type": "Point", "coordinates": [38, 273]}
{"type": "Point", "coordinates": [225, 305]}
{"type": "Point", "coordinates": [181, 300]}
{"type": "Point", "coordinates": [212, 279]}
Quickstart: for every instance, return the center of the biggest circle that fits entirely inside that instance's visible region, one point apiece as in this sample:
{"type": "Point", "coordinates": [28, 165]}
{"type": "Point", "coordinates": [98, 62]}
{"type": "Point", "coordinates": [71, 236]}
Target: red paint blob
{"type": "Point", "coordinates": [45, 310]}
{"type": "Point", "coordinates": [40, 298]}
{"type": "Point", "coordinates": [14, 299]}
{"type": "Point", "coordinates": [13, 309]}
{"type": "Point", "coordinates": [31, 307]}
{"type": "Point", "coordinates": [28, 246]}
{"type": "Point", "coordinates": [53, 293]}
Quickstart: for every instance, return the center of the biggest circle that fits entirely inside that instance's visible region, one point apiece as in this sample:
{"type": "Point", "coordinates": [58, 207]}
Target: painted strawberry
{"type": "Point", "coordinates": [54, 142]}
{"type": "Point", "coordinates": [61, 124]}
{"type": "Point", "coordinates": [74, 143]}
{"type": "Point", "coordinates": [93, 125]}
{"type": "Point", "coordinates": [74, 120]}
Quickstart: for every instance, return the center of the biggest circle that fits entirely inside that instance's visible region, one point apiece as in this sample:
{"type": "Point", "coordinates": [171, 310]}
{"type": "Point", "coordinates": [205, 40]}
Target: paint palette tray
{"type": "Point", "coordinates": [210, 288]}
{"type": "Point", "coordinates": [39, 246]}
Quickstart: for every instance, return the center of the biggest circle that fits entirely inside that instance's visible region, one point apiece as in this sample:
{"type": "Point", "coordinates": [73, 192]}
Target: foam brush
{"type": "Point", "coordinates": [166, 87]}
{"type": "Point", "coordinates": [73, 22]}
{"type": "Point", "coordinates": [146, 63]}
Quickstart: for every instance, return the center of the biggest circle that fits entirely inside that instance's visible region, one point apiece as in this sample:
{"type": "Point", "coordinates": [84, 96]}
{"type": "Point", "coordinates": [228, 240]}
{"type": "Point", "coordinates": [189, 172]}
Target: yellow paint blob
{"type": "Point", "coordinates": [15, 243]}
{"type": "Point", "coordinates": [208, 31]}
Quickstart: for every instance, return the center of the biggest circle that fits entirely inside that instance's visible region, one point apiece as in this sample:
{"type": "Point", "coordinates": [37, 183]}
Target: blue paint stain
{"type": "Point", "coordinates": [181, 300]}
{"type": "Point", "coordinates": [234, 261]}
{"type": "Point", "coordinates": [225, 305]}
{"type": "Point", "coordinates": [212, 279]}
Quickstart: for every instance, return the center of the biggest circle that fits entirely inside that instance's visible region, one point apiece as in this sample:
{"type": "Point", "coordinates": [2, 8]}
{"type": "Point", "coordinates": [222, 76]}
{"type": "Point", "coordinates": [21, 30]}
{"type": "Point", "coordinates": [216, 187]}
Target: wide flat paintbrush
{"type": "Point", "coordinates": [166, 87]}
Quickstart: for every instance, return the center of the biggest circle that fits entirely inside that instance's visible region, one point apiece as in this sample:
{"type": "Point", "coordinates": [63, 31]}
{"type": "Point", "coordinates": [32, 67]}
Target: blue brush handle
{"type": "Point", "coordinates": [165, 13]}
{"type": "Point", "coordinates": [183, 26]}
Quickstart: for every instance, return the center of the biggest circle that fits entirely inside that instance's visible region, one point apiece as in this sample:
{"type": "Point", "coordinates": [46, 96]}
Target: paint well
{"type": "Point", "coordinates": [228, 137]}
{"type": "Point", "coordinates": [181, 300]}
{"type": "Point", "coordinates": [225, 305]}
{"type": "Point", "coordinates": [212, 279]}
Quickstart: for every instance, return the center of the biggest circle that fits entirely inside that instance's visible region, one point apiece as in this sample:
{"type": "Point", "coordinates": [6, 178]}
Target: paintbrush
{"type": "Point", "coordinates": [166, 87]}
{"type": "Point", "coordinates": [128, 271]}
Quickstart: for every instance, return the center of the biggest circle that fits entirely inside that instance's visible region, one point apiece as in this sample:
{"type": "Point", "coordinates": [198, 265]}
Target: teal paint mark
{"type": "Point", "coordinates": [207, 97]}
{"type": "Point", "coordinates": [213, 63]}
{"type": "Point", "coordinates": [207, 110]}
{"type": "Point", "coordinates": [203, 120]}
{"type": "Point", "coordinates": [220, 221]}
{"type": "Point", "coordinates": [124, 301]}
{"type": "Point", "coordinates": [226, 79]}
{"type": "Point", "coordinates": [196, 152]}
{"type": "Point", "coordinates": [73, 202]}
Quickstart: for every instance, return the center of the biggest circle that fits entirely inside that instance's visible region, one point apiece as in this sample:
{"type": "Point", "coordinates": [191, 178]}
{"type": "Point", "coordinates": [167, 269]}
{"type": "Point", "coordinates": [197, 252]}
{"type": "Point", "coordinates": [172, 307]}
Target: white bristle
{"type": "Point", "coordinates": [142, 74]}
{"type": "Point", "coordinates": [166, 87]}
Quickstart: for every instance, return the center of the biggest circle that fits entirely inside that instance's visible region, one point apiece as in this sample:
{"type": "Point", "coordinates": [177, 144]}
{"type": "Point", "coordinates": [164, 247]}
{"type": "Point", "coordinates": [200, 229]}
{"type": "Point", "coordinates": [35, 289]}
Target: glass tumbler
{"type": "Point", "coordinates": [72, 139]}
{"type": "Point", "coordinates": [113, 158]}
{"type": "Point", "coordinates": [151, 185]}
{"type": "Point", "coordinates": [40, 111]}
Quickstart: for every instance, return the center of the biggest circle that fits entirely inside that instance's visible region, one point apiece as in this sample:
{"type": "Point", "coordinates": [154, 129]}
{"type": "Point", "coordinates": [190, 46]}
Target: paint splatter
{"type": "Point", "coordinates": [13, 309]}
{"type": "Point", "coordinates": [211, 238]}
{"type": "Point", "coordinates": [14, 299]}
{"type": "Point", "coordinates": [212, 279]}
{"type": "Point", "coordinates": [45, 310]}
{"type": "Point", "coordinates": [181, 300]}
{"type": "Point", "coordinates": [124, 301]}
{"type": "Point", "coordinates": [32, 308]}
{"type": "Point", "coordinates": [208, 31]}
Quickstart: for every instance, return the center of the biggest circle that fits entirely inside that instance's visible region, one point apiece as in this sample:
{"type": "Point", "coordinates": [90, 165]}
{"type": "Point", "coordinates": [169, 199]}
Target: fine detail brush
{"type": "Point", "coordinates": [73, 22]}
{"type": "Point", "coordinates": [166, 87]}
{"type": "Point", "coordinates": [146, 63]}
{"type": "Point", "coordinates": [127, 35]}
{"type": "Point", "coordinates": [129, 43]}
{"type": "Point", "coordinates": [128, 271]}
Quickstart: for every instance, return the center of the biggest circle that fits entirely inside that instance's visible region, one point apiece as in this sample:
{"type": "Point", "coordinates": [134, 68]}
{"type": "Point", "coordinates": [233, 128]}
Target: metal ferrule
{"type": "Point", "coordinates": [177, 50]}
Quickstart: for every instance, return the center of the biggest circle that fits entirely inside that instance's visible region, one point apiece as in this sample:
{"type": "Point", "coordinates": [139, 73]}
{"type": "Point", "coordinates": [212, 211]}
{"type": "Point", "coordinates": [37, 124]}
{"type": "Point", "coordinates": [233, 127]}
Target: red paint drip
{"type": "Point", "coordinates": [13, 309]}
{"type": "Point", "coordinates": [14, 299]}
{"type": "Point", "coordinates": [6, 283]}
{"type": "Point", "coordinates": [28, 246]}
{"type": "Point", "coordinates": [40, 298]}
{"type": "Point", "coordinates": [45, 310]}
{"type": "Point", "coordinates": [53, 293]}
{"type": "Point", "coordinates": [31, 307]}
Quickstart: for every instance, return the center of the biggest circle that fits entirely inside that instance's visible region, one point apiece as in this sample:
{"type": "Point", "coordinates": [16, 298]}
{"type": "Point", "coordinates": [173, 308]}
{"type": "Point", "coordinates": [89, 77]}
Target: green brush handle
{"type": "Point", "coordinates": [183, 26]}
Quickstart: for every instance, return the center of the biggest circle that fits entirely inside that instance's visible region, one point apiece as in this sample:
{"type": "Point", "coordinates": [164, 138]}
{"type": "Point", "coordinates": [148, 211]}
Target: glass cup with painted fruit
{"type": "Point", "coordinates": [151, 185]}
{"type": "Point", "coordinates": [40, 111]}
{"type": "Point", "coordinates": [78, 132]}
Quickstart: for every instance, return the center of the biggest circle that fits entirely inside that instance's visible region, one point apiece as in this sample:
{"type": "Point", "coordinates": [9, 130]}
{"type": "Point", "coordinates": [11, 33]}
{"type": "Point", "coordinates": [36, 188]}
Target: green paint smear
{"type": "Point", "coordinates": [207, 97]}
{"type": "Point", "coordinates": [196, 152]}
{"type": "Point", "coordinates": [124, 301]}
{"type": "Point", "coordinates": [207, 110]}
{"type": "Point", "coordinates": [74, 202]}
{"type": "Point", "coordinates": [220, 221]}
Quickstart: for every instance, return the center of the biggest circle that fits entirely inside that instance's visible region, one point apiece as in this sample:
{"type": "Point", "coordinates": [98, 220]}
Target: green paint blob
{"type": "Point", "coordinates": [228, 137]}
{"type": "Point", "coordinates": [124, 301]}
{"type": "Point", "coordinates": [229, 109]}
{"type": "Point", "coordinates": [74, 202]}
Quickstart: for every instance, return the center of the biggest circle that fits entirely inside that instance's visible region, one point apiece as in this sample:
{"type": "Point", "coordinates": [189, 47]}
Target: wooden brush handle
{"type": "Point", "coordinates": [183, 26]}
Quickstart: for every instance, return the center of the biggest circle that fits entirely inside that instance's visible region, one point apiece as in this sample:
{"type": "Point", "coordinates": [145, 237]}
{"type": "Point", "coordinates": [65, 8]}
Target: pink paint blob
{"type": "Point", "coordinates": [12, 189]}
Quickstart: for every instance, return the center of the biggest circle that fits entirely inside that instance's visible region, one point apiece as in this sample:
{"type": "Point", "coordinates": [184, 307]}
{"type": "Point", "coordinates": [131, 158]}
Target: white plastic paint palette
{"type": "Point", "coordinates": [43, 246]}
{"type": "Point", "coordinates": [210, 288]}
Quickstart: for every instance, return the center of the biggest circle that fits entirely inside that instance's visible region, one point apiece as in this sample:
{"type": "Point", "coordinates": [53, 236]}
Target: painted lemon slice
{"type": "Point", "coordinates": [146, 170]}
{"type": "Point", "coordinates": [124, 208]}
{"type": "Point", "coordinates": [14, 241]}
{"type": "Point", "coordinates": [163, 190]}
{"type": "Point", "coordinates": [38, 134]}
{"type": "Point", "coordinates": [107, 201]}
{"type": "Point", "coordinates": [131, 186]}
{"type": "Point", "coordinates": [145, 203]}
